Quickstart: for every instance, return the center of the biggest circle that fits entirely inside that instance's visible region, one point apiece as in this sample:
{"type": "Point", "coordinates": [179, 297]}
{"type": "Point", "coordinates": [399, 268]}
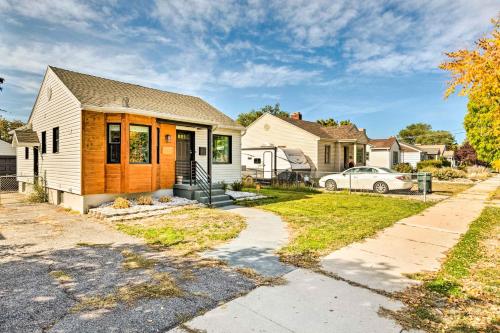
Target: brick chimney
{"type": "Point", "coordinates": [296, 115]}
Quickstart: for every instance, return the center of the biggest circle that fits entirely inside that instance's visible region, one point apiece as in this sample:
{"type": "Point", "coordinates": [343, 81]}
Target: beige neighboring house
{"type": "Point", "coordinates": [411, 154]}
{"type": "Point", "coordinates": [327, 149]}
{"type": "Point", "coordinates": [433, 152]}
{"type": "Point", "coordinates": [383, 152]}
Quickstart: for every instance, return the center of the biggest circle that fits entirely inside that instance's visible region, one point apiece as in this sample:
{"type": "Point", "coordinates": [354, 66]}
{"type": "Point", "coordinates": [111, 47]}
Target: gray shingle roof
{"type": "Point", "coordinates": [26, 136]}
{"type": "Point", "coordinates": [382, 143]}
{"type": "Point", "coordinates": [96, 91]}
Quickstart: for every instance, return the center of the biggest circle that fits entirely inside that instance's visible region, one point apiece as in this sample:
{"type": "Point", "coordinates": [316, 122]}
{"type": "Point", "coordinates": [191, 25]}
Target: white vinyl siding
{"type": "Point", "coordinates": [333, 165]}
{"type": "Point", "coordinates": [382, 157]}
{"type": "Point", "coordinates": [63, 169]}
{"type": "Point", "coordinates": [410, 157]}
{"type": "Point", "coordinates": [227, 173]}
{"type": "Point", "coordinates": [269, 129]}
{"type": "Point", "coordinates": [6, 149]}
{"type": "Point", "coordinates": [24, 167]}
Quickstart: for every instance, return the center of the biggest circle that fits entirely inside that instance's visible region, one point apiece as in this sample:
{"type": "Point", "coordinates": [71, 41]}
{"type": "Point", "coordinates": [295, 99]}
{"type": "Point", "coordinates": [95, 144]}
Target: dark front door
{"type": "Point", "coordinates": [346, 157]}
{"type": "Point", "coordinates": [35, 161]}
{"type": "Point", "coordinates": [184, 152]}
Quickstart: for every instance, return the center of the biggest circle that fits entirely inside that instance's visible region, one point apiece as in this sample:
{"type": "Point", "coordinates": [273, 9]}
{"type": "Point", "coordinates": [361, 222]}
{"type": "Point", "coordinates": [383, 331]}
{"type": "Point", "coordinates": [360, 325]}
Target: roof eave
{"type": "Point", "coordinates": [156, 114]}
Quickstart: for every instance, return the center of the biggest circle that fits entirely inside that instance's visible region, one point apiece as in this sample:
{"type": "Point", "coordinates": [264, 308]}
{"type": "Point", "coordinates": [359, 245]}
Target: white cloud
{"type": "Point", "coordinates": [262, 75]}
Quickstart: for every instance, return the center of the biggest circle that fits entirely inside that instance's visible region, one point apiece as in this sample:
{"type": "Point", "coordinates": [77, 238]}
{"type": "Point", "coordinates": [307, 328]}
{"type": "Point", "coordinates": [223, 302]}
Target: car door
{"type": "Point", "coordinates": [342, 179]}
{"type": "Point", "coordinates": [361, 179]}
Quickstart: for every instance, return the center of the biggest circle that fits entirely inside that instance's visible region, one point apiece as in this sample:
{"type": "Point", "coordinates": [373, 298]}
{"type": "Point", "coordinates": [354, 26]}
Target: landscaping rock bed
{"type": "Point", "coordinates": [107, 211]}
{"type": "Point", "coordinates": [240, 195]}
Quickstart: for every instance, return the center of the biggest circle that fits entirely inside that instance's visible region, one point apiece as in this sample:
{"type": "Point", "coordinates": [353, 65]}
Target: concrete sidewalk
{"type": "Point", "coordinates": [415, 244]}
{"type": "Point", "coordinates": [256, 245]}
{"type": "Point", "coordinates": [313, 302]}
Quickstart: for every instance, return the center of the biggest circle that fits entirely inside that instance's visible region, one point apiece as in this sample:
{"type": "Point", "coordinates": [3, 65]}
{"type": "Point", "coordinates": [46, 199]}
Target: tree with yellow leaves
{"type": "Point", "coordinates": [477, 74]}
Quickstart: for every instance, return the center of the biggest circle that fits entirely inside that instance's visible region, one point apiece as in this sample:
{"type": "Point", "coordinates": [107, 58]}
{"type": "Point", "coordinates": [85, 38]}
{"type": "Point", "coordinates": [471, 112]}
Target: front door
{"type": "Point", "coordinates": [346, 157]}
{"type": "Point", "coordinates": [35, 161]}
{"type": "Point", "coordinates": [184, 152]}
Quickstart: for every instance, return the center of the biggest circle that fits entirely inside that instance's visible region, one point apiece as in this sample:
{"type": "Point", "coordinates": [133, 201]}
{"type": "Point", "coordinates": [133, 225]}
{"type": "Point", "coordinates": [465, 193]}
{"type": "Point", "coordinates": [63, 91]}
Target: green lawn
{"type": "Point", "coordinates": [187, 230]}
{"type": "Point", "coordinates": [464, 295]}
{"type": "Point", "coordinates": [323, 222]}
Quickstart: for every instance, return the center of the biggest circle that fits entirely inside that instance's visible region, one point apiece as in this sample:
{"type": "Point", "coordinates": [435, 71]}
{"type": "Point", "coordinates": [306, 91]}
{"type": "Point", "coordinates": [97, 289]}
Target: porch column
{"type": "Point", "coordinates": [355, 157]}
{"type": "Point", "coordinates": [338, 155]}
{"type": "Point", "coordinates": [209, 163]}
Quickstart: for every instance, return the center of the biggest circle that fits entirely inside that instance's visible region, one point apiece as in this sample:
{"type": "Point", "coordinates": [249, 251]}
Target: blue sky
{"type": "Point", "coordinates": [373, 62]}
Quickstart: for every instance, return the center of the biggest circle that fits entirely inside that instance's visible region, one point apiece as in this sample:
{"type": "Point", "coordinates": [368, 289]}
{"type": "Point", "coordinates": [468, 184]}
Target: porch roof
{"type": "Point", "coordinates": [24, 137]}
{"type": "Point", "coordinates": [92, 91]}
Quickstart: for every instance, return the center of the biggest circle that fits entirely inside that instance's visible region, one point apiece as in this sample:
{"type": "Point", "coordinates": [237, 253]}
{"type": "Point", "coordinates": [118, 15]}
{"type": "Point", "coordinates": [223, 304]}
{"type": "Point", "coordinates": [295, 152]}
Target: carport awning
{"type": "Point", "coordinates": [25, 138]}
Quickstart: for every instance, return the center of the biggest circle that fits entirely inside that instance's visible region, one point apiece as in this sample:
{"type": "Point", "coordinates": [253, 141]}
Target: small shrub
{"type": "Point", "coordinates": [403, 168]}
{"type": "Point", "coordinates": [445, 173]}
{"type": "Point", "coordinates": [144, 200]}
{"type": "Point", "coordinates": [237, 186]}
{"type": "Point", "coordinates": [39, 193]}
{"type": "Point", "coordinates": [429, 163]}
{"type": "Point", "coordinates": [248, 181]}
{"type": "Point", "coordinates": [477, 172]}
{"type": "Point", "coordinates": [121, 203]}
{"type": "Point", "coordinates": [496, 165]}
{"type": "Point", "coordinates": [223, 185]}
{"type": "Point", "coordinates": [165, 199]}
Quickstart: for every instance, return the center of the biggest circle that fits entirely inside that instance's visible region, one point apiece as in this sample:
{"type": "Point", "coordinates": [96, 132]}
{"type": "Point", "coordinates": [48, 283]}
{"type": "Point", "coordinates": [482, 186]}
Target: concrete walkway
{"type": "Point", "coordinates": [415, 244]}
{"type": "Point", "coordinates": [256, 245]}
{"type": "Point", "coordinates": [312, 302]}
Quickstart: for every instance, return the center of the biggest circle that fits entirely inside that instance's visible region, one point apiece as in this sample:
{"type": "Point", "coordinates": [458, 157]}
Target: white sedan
{"type": "Point", "coordinates": [380, 180]}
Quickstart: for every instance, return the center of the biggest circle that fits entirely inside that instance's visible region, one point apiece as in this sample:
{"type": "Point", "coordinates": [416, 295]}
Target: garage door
{"type": "Point", "coordinates": [7, 165]}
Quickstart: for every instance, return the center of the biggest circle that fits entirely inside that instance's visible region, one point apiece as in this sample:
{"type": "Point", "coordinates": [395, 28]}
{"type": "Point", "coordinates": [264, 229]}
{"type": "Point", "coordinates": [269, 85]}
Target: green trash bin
{"type": "Point", "coordinates": [424, 177]}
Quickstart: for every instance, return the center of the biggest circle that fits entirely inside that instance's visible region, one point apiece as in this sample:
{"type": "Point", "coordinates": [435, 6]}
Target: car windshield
{"type": "Point", "coordinates": [388, 170]}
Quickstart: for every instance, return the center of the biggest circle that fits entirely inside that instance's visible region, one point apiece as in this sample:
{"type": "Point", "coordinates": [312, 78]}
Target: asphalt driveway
{"type": "Point", "coordinates": [61, 272]}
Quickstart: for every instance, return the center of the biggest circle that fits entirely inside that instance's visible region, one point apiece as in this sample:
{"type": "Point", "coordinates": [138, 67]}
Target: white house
{"type": "Point", "coordinates": [327, 149]}
{"type": "Point", "coordinates": [93, 139]}
{"type": "Point", "coordinates": [7, 159]}
{"type": "Point", "coordinates": [383, 152]}
{"type": "Point", "coordinates": [411, 154]}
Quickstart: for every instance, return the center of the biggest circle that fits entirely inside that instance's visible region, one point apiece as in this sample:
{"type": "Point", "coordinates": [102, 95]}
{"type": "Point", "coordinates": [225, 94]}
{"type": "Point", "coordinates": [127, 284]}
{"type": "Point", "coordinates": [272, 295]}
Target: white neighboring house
{"type": "Point", "coordinates": [327, 149]}
{"type": "Point", "coordinates": [7, 159]}
{"type": "Point", "coordinates": [411, 154]}
{"type": "Point", "coordinates": [383, 152]}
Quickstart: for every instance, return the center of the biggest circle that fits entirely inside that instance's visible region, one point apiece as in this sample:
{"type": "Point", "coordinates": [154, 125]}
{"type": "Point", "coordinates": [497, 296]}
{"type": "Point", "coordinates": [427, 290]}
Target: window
{"type": "Point", "coordinates": [395, 158]}
{"type": "Point", "coordinates": [114, 143]}
{"type": "Point", "coordinates": [367, 156]}
{"type": "Point", "coordinates": [328, 154]}
{"type": "Point", "coordinates": [222, 153]}
{"type": "Point", "coordinates": [55, 140]}
{"type": "Point", "coordinates": [140, 144]}
{"type": "Point", "coordinates": [26, 153]}
{"type": "Point", "coordinates": [158, 146]}
{"type": "Point", "coordinates": [257, 161]}
{"type": "Point", "coordinates": [44, 142]}
{"type": "Point", "coordinates": [359, 155]}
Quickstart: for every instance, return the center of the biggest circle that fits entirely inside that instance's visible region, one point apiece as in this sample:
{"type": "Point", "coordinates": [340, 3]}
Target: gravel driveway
{"type": "Point", "coordinates": [61, 272]}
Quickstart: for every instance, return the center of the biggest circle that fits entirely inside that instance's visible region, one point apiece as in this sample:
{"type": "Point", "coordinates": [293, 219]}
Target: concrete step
{"type": "Point", "coordinates": [222, 203]}
{"type": "Point", "coordinates": [215, 198]}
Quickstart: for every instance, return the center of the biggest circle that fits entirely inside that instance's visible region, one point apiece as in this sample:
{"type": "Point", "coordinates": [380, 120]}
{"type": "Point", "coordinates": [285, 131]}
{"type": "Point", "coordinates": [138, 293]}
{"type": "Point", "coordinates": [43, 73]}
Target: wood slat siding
{"type": "Point", "coordinates": [100, 177]}
{"type": "Point", "coordinates": [63, 169]}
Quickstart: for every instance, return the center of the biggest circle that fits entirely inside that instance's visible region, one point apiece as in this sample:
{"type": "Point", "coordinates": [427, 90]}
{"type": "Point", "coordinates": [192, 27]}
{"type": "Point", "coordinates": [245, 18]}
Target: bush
{"type": "Point", "coordinates": [496, 165]}
{"type": "Point", "coordinates": [403, 168]}
{"type": "Point", "coordinates": [121, 203]}
{"type": "Point", "coordinates": [429, 163]}
{"type": "Point", "coordinates": [223, 185]}
{"type": "Point", "coordinates": [445, 173]}
{"type": "Point", "coordinates": [477, 172]}
{"type": "Point", "coordinates": [144, 200]}
{"type": "Point", "coordinates": [237, 186]}
{"type": "Point", "coordinates": [39, 193]}
{"type": "Point", "coordinates": [165, 199]}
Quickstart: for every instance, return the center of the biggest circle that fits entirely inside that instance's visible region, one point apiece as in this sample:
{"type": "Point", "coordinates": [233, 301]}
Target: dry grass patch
{"type": "Point", "coordinates": [187, 230]}
{"type": "Point", "coordinates": [464, 296]}
{"type": "Point", "coordinates": [61, 276]}
{"type": "Point", "coordinates": [162, 285]}
{"type": "Point", "coordinates": [133, 260]}
{"type": "Point", "coordinates": [261, 280]}
{"type": "Point", "coordinates": [449, 188]}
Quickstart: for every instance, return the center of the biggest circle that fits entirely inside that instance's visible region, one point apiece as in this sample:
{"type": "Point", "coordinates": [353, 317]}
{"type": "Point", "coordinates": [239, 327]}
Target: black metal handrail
{"type": "Point", "coordinates": [195, 174]}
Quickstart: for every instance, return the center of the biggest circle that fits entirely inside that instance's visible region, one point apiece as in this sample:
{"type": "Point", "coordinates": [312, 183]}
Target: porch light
{"type": "Point", "coordinates": [168, 138]}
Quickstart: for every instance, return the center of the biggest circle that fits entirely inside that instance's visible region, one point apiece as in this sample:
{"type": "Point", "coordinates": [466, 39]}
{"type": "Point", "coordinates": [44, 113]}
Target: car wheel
{"type": "Point", "coordinates": [330, 185]}
{"type": "Point", "coordinates": [381, 187]}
